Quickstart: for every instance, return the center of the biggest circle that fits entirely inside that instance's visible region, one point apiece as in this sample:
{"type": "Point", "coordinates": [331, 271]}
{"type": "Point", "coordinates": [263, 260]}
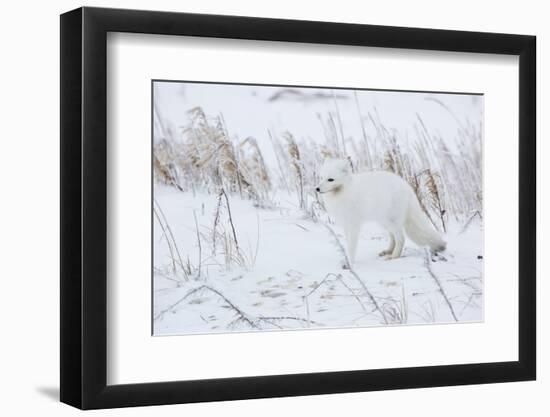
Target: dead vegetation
{"type": "Point", "coordinates": [203, 157]}
{"type": "Point", "coordinates": [206, 158]}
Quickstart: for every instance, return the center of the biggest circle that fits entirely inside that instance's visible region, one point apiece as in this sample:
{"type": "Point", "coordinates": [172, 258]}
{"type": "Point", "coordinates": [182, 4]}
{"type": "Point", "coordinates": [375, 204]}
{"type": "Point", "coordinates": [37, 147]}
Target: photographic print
{"type": "Point", "coordinates": [292, 208]}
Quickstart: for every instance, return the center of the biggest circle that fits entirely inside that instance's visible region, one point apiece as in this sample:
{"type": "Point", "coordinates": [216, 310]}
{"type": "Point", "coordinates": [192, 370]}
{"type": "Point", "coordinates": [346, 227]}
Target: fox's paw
{"type": "Point", "coordinates": [385, 253]}
{"type": "Point", "coordinates": [436, 256]}
{"type": "Point", "coordinates": [391, 257]}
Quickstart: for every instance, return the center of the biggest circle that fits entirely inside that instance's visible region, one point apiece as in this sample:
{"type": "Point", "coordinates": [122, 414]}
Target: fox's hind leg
{"type": "Point", "coordinates": [389, 251]}
{"type": "Point", "coordinates": [399, 237]}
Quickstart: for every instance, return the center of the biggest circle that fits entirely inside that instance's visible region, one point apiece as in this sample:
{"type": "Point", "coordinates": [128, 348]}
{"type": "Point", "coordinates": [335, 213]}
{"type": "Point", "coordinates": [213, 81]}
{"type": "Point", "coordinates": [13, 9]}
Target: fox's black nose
{"type": "Point", "coordinates": [318, 189]}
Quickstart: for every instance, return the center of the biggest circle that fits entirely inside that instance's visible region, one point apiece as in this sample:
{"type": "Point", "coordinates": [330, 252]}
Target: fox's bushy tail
{"type": "Point", "coordinates": [420, 230]}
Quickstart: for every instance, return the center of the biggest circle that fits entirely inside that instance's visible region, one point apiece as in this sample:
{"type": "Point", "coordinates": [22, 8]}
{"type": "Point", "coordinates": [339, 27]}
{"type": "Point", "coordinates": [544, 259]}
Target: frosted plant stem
{"type": "Point", "coordinates": [167, 228]}
{"type": "Point", "coordinates": [231, 221]}
{"type": "Point", "coordinates": [354, 274]}
{"type": "Point", "coordinates": [216, 221]}
{"type": "Point", "coordinates": [469, 221]}
{"type": "Point", "coordinates": [241, 315]}
{"type": "Point", "coordinates": [199, 241]}
{"type": "Point", "coordinates": [165, 234]}
{"type": "Point", "coordinates": [339, 279]}
{"type": "Point", "coordinates": [427, 261]}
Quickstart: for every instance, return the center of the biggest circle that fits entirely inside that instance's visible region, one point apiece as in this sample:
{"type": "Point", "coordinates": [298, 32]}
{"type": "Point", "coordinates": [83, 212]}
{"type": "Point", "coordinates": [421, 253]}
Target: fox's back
{"type": "Point", "coordinates": [380, 182]}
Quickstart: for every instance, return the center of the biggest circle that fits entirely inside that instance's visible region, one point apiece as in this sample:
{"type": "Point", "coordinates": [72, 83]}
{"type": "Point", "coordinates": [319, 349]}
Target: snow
{"type": "Point", "coordinates": [277, 266]}
{"type": "Point", "coordinates": [294, 256]}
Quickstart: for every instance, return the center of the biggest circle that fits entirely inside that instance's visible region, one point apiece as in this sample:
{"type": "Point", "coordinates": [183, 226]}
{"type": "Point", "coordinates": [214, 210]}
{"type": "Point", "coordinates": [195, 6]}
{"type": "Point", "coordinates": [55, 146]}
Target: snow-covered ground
{"type": "Point", "coordinates": [256, 260]}
{"type": "Point", "coordinates": [292, 276]}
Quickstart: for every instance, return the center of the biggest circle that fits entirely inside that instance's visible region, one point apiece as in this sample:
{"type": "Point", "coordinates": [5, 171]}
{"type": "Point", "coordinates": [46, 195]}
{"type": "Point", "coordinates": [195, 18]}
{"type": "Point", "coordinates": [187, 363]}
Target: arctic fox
{"type": "Point", "coordinates": [377, 196]}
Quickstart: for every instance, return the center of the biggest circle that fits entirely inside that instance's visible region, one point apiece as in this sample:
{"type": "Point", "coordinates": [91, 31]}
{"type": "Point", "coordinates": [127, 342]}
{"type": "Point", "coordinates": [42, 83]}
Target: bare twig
{"type": "Point", "coordinates": [181, 300]}
{"type": "Point", "coordinates": [231, 219]}
{"type": "Point", "coordinates": [199, 242]}
{"type": "Point", "coordinates": [278, 155]}
{"type": "Point", "coordinates": [255, 256]}
{"type": "Point", "coordinates": [470, 220]}
{"type": "Point", "coordinates": [165, 228]}
{"type": "Point", "coordinates": [169, 244]}
{"type": "Point", "coordinates": [397, 309]}
{"type": "Point", "coordinates": [470, 299]}
{"type": "Point", "coordinates": [253, 322]}
{"type": "Point", "coordinates": [216, 221]}
{"type": "Point", "coordinates": [339, 279]}
{"type": "Point", "coordinates": [427, 263]}
{"type": "Point", "coordinates": [354, 274]}
{"type": "Point", "coordinates": [241, 315]}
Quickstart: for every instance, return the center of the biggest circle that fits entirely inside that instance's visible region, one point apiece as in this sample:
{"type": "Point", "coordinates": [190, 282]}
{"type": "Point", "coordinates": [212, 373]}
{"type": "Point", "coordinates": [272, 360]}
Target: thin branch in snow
{"type": "Point", "coordinates": [216, 222]}
{"type": "Point", "coordinates": [159, 272]}
{"type": "Point", "coordinates": [254, 254]}
{"type": "Point", "coordinates": [397, 309]}
{"type": "Point", "coordinates": [165, 228]}
{"type": "Point", "coordinates": [171, 307]}
{"type": "Point", "coordinates": [169, 244]}
{"type": "Point", "coordinates": [427, 263]}
{"type": "Point", "coordinates": [339, 279]}
{"type": "Point", "coordinates": [253, 322]}
{"type": "Point", "coordinates": [427, 308]}
{"type": "Point", "coordinates": [470, 220]}
{"type": "Point", "coordinates": [231, 220]}
{"type": "Point", "coordinates": [469, 301]}
{"type": "Point", "coordinates": [354, 274]}
{"type": "Point", "coordinates": [240, 314]}
{"type": "Point", "coordinates": [199, 241]}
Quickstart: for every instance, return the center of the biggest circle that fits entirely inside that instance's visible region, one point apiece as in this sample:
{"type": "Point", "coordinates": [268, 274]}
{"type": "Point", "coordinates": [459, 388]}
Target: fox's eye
{"type": "Point", "coordinates": [330, 179]}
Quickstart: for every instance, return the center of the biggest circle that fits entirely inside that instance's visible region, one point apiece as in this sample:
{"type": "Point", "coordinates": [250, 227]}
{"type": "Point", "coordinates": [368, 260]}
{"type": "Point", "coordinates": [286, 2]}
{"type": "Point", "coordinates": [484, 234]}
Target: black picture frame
{"type": "Point", "coordinates": [84, 207]}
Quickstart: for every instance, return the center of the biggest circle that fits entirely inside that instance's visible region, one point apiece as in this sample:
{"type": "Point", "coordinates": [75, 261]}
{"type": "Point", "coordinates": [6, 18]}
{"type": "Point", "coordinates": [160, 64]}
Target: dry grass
{"type": "Point", "coordinates": [223, 239]}
{"type": "Point", "coordinates": [207, 159]}
{"type": "Point", "coordinates": [204, 157]}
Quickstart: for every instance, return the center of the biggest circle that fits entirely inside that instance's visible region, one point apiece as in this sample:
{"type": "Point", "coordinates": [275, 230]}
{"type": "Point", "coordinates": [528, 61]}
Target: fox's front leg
{"type": "Point", "coordinates": [352, 235]}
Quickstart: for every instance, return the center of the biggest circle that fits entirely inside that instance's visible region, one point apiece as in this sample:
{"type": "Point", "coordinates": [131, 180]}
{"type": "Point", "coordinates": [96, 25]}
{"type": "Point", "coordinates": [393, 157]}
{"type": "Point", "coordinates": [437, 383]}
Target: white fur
{"type": "Point", "coordinates": [378, 196]}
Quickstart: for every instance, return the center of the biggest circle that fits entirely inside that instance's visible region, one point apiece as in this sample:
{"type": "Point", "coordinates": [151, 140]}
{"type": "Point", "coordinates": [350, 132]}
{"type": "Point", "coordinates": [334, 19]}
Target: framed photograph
{"type": "Point", "coordinates": [256, 208]}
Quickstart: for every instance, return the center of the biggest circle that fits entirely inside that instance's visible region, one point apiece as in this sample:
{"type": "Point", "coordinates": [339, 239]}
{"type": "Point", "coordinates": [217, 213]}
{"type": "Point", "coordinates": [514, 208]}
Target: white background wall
{"type": "Point", "coordinates": [29, 175]}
